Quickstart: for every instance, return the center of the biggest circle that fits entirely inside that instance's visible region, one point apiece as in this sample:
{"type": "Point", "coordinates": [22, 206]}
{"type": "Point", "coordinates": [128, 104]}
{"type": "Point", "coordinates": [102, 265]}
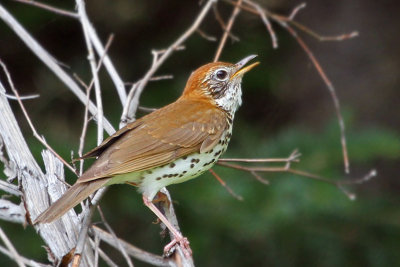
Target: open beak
{"type": "Point", "coordinates": [240, 69]}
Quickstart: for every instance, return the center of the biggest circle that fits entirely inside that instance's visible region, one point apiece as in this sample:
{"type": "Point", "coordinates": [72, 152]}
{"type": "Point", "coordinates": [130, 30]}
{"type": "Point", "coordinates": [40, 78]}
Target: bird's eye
{"type": "Point", "coordinates": [221, 75]}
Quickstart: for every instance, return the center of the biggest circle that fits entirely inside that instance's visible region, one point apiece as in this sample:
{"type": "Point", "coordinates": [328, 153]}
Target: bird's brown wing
{"type": "Point", "coordinates": [95, 152]}
{"type": "Point", "coordinates": [159, 138]}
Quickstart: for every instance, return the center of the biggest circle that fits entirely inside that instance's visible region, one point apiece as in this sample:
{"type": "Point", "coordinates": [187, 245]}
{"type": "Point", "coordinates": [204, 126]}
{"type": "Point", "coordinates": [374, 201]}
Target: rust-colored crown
{"type": "Point", "coordinates": [219, 82]}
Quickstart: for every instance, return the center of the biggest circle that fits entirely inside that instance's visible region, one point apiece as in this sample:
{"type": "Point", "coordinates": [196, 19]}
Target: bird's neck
{"type": "Point", "coordinates": [230, 100]}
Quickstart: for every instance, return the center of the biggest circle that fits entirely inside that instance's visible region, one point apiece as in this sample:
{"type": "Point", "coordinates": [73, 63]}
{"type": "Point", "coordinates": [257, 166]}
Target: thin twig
{"type": "Point", "coordinates": [294, 157]}
{"type": "Point", "coordinates": [26, 261]}
{"type": "Point", "coordinates": [259, 178]}
{"type": "Point", "coordinates": [87, 216]}
{"type": "Point", "coordinates": [96, 248]}
{"type": "Point", "coordinates": [15, 256]}
{"type": "Point", "coordinates": [323, 38]}
{"type": "Point", "coordinates": [49, 8]}
{"type": "Point", "coordinates": [84, 130]}
{"type": "Point", "coordinates": [143, 82]}
{"type": "Point", "coordinates": [287, 168]}
{"type": "Point", "coordinates": [224, 184]}
{"type": "Point", "coordinates": [161, 77]}
{"type": "Point", "coordinates": [101, 252]}
{"type": "Point", "coordinates": [332, 91]}
{"type": "Point", "coordinates": [25, 97]}
{"type": "Point", "coordinates": [146, 109]}
{"type": "Point", "coordinates": [131, 250]}
{"type": "Point", "coordinates": [35, 134]}
{"type": "Point", "coordinates": [267, 23]}
{"type": "Point", "coordinates": [94, 39]}
{"type": "Point", "coordinates": [284, 22]}
{"type": "Point", "coordinates": [50, 62]}
{"type": "Point", "coordinates": [110, 230]}
{"type": "Point", "coordinates": [296, 10]}
{"type": "Point", "coordinates": [10, 188]}
{"type": "Point", "coordinates": [206, 36]}
{"type": "Point", "coordinates": [86, 112]}
{"type": "Point", "coordinates": [92, 62]}
{"type": "Point", "coordinates": [221, 22]}
{"type": "Point", "coordinates": [305, 29]}
{"type": "Point", "coordinates": [235, 12]}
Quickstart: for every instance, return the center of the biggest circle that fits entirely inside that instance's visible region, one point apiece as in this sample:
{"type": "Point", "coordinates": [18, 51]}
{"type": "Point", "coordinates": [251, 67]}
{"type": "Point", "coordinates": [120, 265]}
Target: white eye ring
{"type": "Point", "coordinates": [221, 75]}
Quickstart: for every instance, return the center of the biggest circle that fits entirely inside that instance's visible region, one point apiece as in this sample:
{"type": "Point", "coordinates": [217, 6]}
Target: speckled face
{"type": "Point", "coordinates": [223, 83]}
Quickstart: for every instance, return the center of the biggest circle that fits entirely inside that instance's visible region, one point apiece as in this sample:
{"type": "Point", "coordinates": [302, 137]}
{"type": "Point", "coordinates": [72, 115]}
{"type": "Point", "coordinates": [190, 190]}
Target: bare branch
{"type": "Point", "coordinates": [181, 258]}
{"type": "Point", "coordinates": [49, 61]}
{"type": "Point", "coordinates": [88, 90]}
{"type": "Point", "coordinates": [161, 77]}
{"type": "Point", "coordinates": [25, 97]}
{"type": "Point", "coordinates": [296, 10]}
{"type": "Point", "coordinates": [9, 188]}
{"type": "Point", "coordinates": [284, 22]}
{"type": "Point", "coordinates": [206, 36]}
{"type": "Point", "coordinates": [92, 61]}
{"type": "Point", "coordinates": [24, 260]}
{"type": "Point", "coordinates": [143, 82]}
{"type": "Point", "coordinates": [15, 256]}
{"type": "Point", "coordinates": [35, 134]}
{"type": "Point", "coordinates": [49, 8]}
{"type": "Point", "coordinates": [265, 19]}
{"type": "Point", "coordinates": [131, 250]}
{"type": "Point", "coordinates": [294, 157]}
{"type": "Point", "coordinates": [87, 216]}
{"type": "Point", "coordinates": [11, 212]}
{"type": "Point", "coordinates": [221, 22]}
{"type": "Point", "coordinates": [322, 38]}
{"type": "Point", "coordinates": [287, 168]}
{"type": "Point", "coordinates": [101, 253]}
{"type": "Point", "coordinates": [332, 91]}
{"type": "Point", "coordinates": [110, 230]}
{"type": "Point", "coordinates": [119, 85]}
{"type": "Point", "coordinates": [223, 183]}
{"type": "Point", "coordinates": [229, 26]}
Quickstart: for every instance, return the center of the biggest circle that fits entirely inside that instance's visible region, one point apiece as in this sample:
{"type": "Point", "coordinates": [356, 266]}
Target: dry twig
{"type": "Point", "coordinates": [134, 103]}
{"type": "Point", "coordinates": [35, 133]}
{"type": "Point", "coordinates": [11, 248]}
{"type": "Point", "coordinates": [111, 231]}
{"type": "Point", "coordinates": [285, 23]}
{"type": "Point", "coordinates": [224, 184]}
{"type": "Point", "coordinates": [49, 61]}
{"type": "Point", "coordinates": [228, 29]}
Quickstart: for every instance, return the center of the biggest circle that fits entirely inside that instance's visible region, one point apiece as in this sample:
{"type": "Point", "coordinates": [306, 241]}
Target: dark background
{"type": "Point", "coordinates": [294, 221]}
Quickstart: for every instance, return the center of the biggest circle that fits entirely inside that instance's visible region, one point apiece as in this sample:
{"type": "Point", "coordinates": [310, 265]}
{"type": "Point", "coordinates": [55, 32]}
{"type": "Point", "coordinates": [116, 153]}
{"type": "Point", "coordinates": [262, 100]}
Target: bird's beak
{"type": "Point", "coordinates": [240, 69]}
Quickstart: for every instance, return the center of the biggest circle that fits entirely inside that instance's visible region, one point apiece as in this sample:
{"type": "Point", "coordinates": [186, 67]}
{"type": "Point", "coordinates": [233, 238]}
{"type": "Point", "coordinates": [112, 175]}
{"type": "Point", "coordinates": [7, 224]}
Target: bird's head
{"type": "Point", "coordinates": [220, 83]}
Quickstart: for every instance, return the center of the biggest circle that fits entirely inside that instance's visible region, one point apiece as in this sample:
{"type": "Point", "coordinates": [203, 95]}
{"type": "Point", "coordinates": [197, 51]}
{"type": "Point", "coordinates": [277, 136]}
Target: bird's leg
{"type": "Point", "coordinates": [161, 197]}
{"type": "Point", "coordinates": [178, 238]}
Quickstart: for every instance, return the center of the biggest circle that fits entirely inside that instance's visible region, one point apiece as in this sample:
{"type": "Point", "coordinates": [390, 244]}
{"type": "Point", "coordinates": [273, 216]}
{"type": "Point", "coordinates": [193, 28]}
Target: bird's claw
{"type": "Point", "coordinates": [183, 243]}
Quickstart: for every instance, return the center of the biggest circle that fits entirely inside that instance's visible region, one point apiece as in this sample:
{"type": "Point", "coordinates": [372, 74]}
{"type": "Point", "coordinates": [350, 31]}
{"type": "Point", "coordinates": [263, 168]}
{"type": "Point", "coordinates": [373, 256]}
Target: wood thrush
{"type": "Point", "coordinates": [170, 145]}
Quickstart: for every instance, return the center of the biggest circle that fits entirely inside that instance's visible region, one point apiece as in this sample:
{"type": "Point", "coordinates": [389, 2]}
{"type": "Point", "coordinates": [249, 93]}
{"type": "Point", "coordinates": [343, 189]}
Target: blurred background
{"type": "Point", "coordinates": [292, 222]}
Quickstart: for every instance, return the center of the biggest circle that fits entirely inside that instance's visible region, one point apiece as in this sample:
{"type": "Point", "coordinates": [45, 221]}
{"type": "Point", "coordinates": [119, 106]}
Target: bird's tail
{"type": "Point", "coordinates": [74, 195]}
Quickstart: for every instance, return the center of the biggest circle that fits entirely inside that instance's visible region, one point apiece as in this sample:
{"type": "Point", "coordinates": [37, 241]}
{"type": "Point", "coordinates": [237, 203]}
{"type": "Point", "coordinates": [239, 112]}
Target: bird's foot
{"type": "Point", "coordinates": [183, 243]}
{"type": "Point", "coordinates": [178, 238]}
{"type": "Point", "coordinates": [161, 198]}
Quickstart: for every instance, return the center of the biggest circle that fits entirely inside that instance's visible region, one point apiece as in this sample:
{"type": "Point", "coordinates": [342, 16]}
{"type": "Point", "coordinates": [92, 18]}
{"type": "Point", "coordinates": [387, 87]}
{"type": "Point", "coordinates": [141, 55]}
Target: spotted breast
{"type": "Point", "coordinates": [181, 170]}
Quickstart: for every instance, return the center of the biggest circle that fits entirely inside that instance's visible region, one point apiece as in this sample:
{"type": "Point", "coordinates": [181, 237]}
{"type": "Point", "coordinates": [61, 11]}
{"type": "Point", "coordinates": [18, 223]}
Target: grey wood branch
{"type": "Point", "coordinates": [51, 63]}
{"type": "Point", "coordinates": [38, 189]}
{"type": "Point", "coordinates": [12, 212]}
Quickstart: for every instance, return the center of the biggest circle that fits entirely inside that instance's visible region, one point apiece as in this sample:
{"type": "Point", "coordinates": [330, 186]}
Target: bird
{"type": "Point", "coordinates": [171, 145]}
